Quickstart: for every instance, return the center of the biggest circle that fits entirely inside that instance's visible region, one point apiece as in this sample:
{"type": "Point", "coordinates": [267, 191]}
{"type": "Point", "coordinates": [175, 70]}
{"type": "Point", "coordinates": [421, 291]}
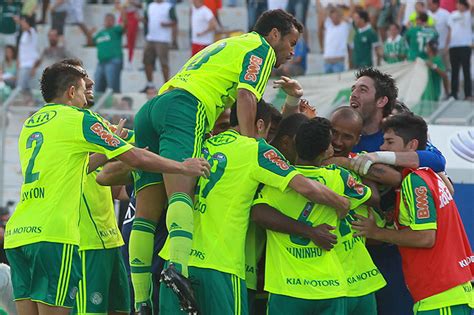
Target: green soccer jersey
{"type": "Point", "coordinates": [295, 266]}
{"type": "Point", "coordinates": [364, 41]}
{"type": "Point", "coordinates": [417, 38]}
{"type": "Point", "coordinates": [54, 147]}
{"type": "Point", "coordinates": [215, 73]}
{"type": "Point", "coordinates": [254, 247]}
{"type": "Point", "coordinates": [98, 225]}
{"type": "Point", "coordinates": [222, 209]}
{"type": "Point", "coordinates": [109, 43]}
{"type": "Point", "coordinates": [432, 91]}
{"type": "Point", "coordinates": [395, 49]}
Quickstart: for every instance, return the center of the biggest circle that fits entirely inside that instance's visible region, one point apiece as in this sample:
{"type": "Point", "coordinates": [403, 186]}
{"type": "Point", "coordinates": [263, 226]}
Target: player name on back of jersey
{"type": "Point", "coordinates": [33, 193]}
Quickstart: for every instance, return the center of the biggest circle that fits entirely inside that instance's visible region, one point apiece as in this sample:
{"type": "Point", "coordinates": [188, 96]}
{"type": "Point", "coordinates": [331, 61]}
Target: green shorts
{"type": "Point", "coordinates": [462, 309]}
{"type": "Point", "coordinates": [362, 305]}
{"type": "Point", "coordinates": [104, 285]}
{"type": "Point", "coordinates": [45, 272]}
{"type": "Point", "coordinates": [283, 305]}
{"type": "Point", "coordinates": [172, 125]}
{"type": "Point", "coordinates": [217, 293]}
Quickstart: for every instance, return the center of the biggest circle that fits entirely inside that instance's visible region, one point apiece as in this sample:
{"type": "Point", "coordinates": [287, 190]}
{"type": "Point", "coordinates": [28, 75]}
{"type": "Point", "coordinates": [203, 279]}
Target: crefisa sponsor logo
{"type": "Point", "coordinates": [462, 143]}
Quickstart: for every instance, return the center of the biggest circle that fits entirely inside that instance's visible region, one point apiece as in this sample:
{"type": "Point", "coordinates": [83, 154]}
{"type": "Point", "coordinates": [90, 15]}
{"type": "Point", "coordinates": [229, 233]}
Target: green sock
{"type": "Point", "coordinates": [141, 255]}
{"type": "Point", "coordinates": [179, 221]}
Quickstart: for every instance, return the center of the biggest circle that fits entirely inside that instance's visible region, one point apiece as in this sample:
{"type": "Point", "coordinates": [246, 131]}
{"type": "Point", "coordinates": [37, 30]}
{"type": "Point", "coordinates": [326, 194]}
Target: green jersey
{"type": "Point", "coordinates": [417, 38]}
{"type": "Point", "coordinates": [216, 73]}
{"type": "Point", "coordinates": [432, 91]}
{"type": "Point", "coordinates": [364, 41]}
{"type": "Point", "coordinates": [222, 209]}
{"type": "Point", "coordinates": [254, 247]}
{"type": "Point", "coordinates": [54, 147]}
{"type": "Point", "coordinates": [295, 266]}
{"type": "Point", "coordinates": [8, 11]}
{"type": "Point", "coordinates": [109, 43]}
{"type": "Point", "coordinates": [395, 49]}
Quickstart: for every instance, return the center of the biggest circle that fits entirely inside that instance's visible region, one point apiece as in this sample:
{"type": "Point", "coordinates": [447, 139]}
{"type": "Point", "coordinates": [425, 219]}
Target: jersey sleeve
{"type": "Point", "coordinates": [431, 157]}
{"type": "Point", "coordinates": [97, 137]}
{"type": "Point", "coordinates": [264, 196]}
{"type": "Point", "coordinates": [356, 192]}
{"type": "Point", "coordinates": [271, 167]}
{"type": "Point", "coordinates": [417, 207]}
{"type": "Point", "coordinates": [256, 68]}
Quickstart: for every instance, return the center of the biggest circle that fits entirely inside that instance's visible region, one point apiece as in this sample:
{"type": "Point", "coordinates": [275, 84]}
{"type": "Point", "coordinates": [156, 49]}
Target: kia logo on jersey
{"type": "Point", "coordinates": [462, 143]}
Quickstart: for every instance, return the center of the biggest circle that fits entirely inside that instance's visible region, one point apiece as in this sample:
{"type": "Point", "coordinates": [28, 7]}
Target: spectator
{"type": "Point", "coordinates": [7, 305]}
{"type": "Point", "coordinates": [58, 16]}
{"type": "Point", "coordinates": [418, 36]}
{"type": "Point", "coordinates": [28, 9]}
{"type": "Point", "coordinates": [28, 53]}
{"type": "Point", "coordinates": [441, 17]}
{"type": "Point", "coordinates": [277, 4]}
{"type": "Point", "coordinates": [44, 11]}
{"type": "Point", "coordinates": [298, 8]}
{"type": "Point", "coordinates": [126, 105]}
{"type": "Point", "coordinates": [255, 9]}
{"type": "Point", "coordinates": [161, 19]}
{"type": "Point", "coordinates": [420, 8]}
{"type": "Point", "coordinates": [333, 41]}
{"type": "Point", "coordinates": [436, 73]}
{"type": "Point", "coordinates": [75, 16]}
{"type": "Point", "coordinates": [214, 6]}
{"type": "Point", "coordinates": [203, 26]}
{"type": "Point", "coordinates": [109, 53]}
{"type": "Point", "coordinates": [459, 43]}
{"type": "Point", "coordinates": [8, 70]}
{"type": "Point", "coordinates": [53, 53]}
{"type": "Point", "coordinates": [387, 16]}
{"type": "Point", "coordinates": [150, 92]}
{"type": "Point", "coordinates": [395, 47]}
{"type": "Point", "coordinates": [365, 40]}
{"type": "Point", "coordinates": [8, 27]}
{"type": "Point", "coordinates": [297, 65]}
{"type": "Point", "coordinates": [131, 18]}
{"type": "Point", "coordinates": [4, 216]}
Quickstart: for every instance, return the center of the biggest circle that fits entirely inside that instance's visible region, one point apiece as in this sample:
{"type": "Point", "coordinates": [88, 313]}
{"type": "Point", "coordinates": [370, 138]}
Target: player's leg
{"type": "Point", "coordinates": [283, 305]}
{"type": "Point", "coordinates": [462, 309]}
{"type": "Point", "coordinates": [362, 305]}
{"type": "Point", "coordinates": [119, 290]}
{"type": "Point", "coordinates": [26, 307]}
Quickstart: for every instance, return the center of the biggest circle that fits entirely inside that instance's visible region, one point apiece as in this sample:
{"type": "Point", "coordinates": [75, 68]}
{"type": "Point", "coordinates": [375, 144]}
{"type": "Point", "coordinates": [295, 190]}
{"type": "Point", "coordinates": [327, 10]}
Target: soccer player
{"type": "Point", "coordinates": [175, 122]}
{"type": "Point", "coordinates": [418, 37]}
{"type": "Point", "coordinates": [436, 256]}
{"type": "Point", "coordinates": [239, 165]}
{"type": "Point", "coordinates": [302, 274]}
{"type": "Point", "coordinates": [43, 230]}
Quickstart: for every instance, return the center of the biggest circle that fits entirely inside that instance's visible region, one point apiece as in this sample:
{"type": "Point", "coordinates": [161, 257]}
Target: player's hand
{"type": "Point", "coordinates": [196, 167]}
{"type": "Point", "coordinates": [307, 109]}
{"type": "Point", "coordinates": [361, 163]}
{"type": "Point", "coordinates": [290, 86]}
{"type": "Point", "coordinates": [366, 226]}
{"type": "Point", "coordinates": [321, 235]}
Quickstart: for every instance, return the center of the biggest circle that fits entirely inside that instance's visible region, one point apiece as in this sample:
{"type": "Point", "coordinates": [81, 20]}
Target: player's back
{"type": "Point", "coordinates": [214, 74]}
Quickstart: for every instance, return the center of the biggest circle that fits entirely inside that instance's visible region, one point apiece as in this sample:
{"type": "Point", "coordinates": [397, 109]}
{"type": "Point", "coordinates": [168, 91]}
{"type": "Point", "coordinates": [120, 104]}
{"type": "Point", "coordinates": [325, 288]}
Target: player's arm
{"type": "Point", "coordinates": [318, 193]}
{"type": "Point", "coordinates": [374, 200]}
{"type": "Point", "coordinates": [246, 112]}
{"type": "Point", "coordinates": [294, 92]}
{"type": "Point", "coordinates": [272, 219]}
{"type": "Point", "coordinates": [115, 173]}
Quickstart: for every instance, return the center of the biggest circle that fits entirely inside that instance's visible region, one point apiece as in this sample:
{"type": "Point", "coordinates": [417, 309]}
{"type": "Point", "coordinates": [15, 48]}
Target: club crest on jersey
{"type": "Point", "coordinates": [253, 68]}
{"type": "Point", "coordinates": [40, 118]}
{"type": "Point", "coordinates": [275, 158]}
{"type": "Point", "coordinates": [352, 183]}
{"type": "Point", "coordinates": [105, 135]}
{"type": "Point", "coordinates": [422, 209]}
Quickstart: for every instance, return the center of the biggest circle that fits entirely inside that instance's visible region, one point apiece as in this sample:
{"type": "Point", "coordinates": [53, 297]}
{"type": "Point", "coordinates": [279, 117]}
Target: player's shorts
{"type": "Point", "coordinates": [362, 305]}
{"type": "Point", "coordinates": [283, 305]}
{"type": "Point", "coordinates": [45, 272]}
{"type": "Point", "coordinates": [216, 292]}
{"type": "Point", "coordinates": [104, 285]}
{"type": "Point", "coordinates": [172, 125]}
{"type": "Point", "coordinates": [462, 309]}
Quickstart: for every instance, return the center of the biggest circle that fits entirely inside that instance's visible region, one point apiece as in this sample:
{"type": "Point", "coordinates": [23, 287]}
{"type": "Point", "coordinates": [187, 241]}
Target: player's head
{"type": "Point", "coordinates": [373, 94]}
{"type": "Point", "coordinates": [313, 140]}
{"type": "Point", "coordinates": [276, 119]}
{"type": "Point", "coordinates": [462, 5]}
{"type": "Point", "coordinates": [263, 119]}
{"type": "Point", "coordinates": [89, 82]}
{"type": "Point", "coordinates": [64, 83]}
{"type": "Point", "coordinates": [393, 30]}
{"type": "Point", "coordinates": [361, 18]}
{"type": "Point", "coordinates": [109, 20]}
{"type": "Point", "coordinates": [421, 18]}
{"type": "Point", "coordinates": [404, 132]}
{"type": "Point", "coordinates": [399, 107]}
{"type": "Point", "coordinates": [282, 32]}
{"type": "Point", "coordinates": [284, 139]}
{"type": "Point", "coordinates": [347, 126]}
{"type": "Point", "coordinates": [222, 123]}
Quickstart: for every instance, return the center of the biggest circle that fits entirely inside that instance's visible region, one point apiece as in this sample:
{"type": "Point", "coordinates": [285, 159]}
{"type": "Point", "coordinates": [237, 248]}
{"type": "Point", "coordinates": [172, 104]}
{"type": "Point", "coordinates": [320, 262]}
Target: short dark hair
{"type": "Point", "coordinates": [128, 99]}
{"type": "Point", "coordinates": [279, 19]}
{"type": "Point", "coordinates": [73, 62]}
{"type": "Point", "coordinates": [313, 138]}
{"type": "Point", "coordinates": [289, 126]}
{"type": "Point", "coordinates": [276, 116]}
{"type": "Point", "coordinates": [423, 17]}
{"type": "Point", "coordinates": [435, 1]}
{"type": "Point", "coordinates": [264, 112]}
{"type": "Point", "coordinates": [396, 25]}
{"type": "Point", "coordinates": [363, 15]}
{"type": "Point", "coordinates": [401, 107]}
{"type": "Point", "coordinates": [464, 3]}
{"type": "Point", "coordinates": [408, 127]}
{"type": "Point", "coordinates": [57, 78]}
{"type": "Point", "coordinates": [384, 86]}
